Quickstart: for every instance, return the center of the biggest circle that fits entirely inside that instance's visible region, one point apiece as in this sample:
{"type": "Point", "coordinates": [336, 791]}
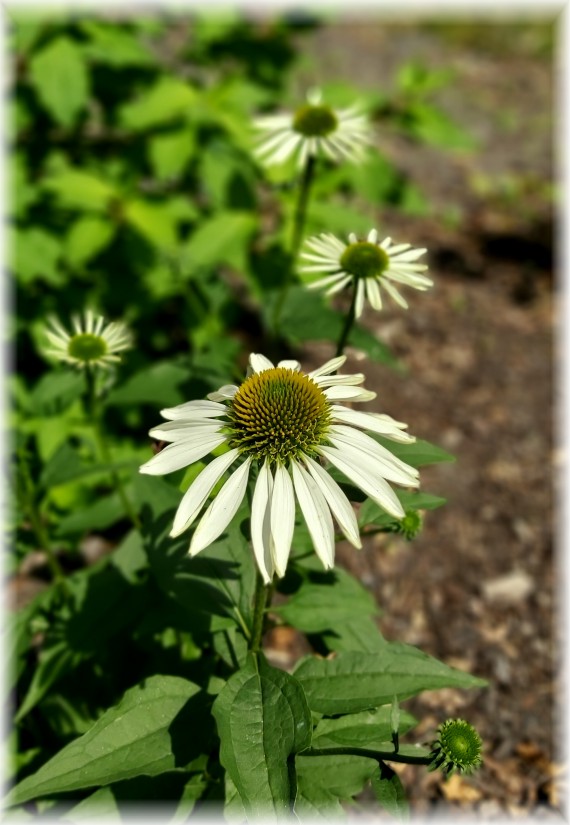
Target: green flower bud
{"type": "Point", "coordinates": [457, 748]}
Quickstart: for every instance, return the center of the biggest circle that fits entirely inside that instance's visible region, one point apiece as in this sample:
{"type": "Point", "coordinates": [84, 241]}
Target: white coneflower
{"type": "Point", "coordinates": [370, 265]}
{"type": "Point", "coordinates": [92, 344]}
{"type": "Point", "coordinates": [288, 425]}
{"type": "Point", "coordinates": [311, 130]}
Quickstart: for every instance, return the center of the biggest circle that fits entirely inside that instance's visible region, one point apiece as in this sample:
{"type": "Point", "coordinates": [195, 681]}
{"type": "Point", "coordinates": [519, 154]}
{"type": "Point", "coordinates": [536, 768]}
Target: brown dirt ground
{"type": "Point", "coordinates": [476, 588]}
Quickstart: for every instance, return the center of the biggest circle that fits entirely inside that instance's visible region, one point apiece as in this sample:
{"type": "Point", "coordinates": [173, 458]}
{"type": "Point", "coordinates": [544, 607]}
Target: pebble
{"type": "Point", "coordinates": [512, 588]}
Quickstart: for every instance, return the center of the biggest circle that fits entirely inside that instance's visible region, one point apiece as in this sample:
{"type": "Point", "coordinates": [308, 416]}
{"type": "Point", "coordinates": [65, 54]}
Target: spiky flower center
{"type": "Point", "coordinates": [458, 747]}
{"type": "Point", "coordinates": [315, 121]}
{"type": "Point", "coordinates": [364, 260]}
{"type": "Point", "coordinates": [278, 414]}
{"type": "Point", "coordinates": [87, 347]}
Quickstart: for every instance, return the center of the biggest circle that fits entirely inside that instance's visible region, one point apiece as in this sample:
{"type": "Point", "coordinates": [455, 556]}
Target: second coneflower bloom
{"type": "Point", "coordinates": [93, 343]}
{"type": "Point", "coordinates": [367, 265]}
{"type": "Point", "coordinates": [283, 427]}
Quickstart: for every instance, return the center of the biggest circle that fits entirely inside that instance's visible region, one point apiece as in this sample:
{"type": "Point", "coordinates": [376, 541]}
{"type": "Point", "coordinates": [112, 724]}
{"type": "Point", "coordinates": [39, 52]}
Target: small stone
{"type": "Point", "coordinates": [512, 588]}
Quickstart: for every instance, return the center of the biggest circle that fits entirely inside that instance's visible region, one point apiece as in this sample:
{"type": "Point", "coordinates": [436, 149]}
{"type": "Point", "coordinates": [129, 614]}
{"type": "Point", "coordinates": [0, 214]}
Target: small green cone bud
{"type": "Point", "coordinates": [457, 748]}
{"type": "Point", "coordinates": [410, 525]}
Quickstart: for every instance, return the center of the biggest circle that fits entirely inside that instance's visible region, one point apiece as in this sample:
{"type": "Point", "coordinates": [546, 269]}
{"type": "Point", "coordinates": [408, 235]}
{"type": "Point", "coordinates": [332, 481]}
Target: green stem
{"type": "Point", "coordinates": [261, 599]}
{"type": "Point", "coordinates": [297, 237]}
{"type": "Point", "coordinates": [104, 451]}
{"type": "Point", "coordinates": [38, 527]}
{"type": "Point", "coordinates": [379, 756]}
{"type": "Point", "coordinates": [348, 324]}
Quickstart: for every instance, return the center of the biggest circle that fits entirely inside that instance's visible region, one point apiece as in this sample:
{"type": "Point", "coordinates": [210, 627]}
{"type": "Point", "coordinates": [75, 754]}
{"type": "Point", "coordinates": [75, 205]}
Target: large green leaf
{"type": "Point", "coordinates": [170, 152]}
{"type": "Point", "coordinates": [369, 729]}
{"type": "Point", "coordinates": [114, 45]}
{"type": "Point", "coordinates": [137, 737]}
{"type": "Point", "coordinates": [59, 75]}
{"type": "Point", "coordinates": [37, 256]}
{"type": "Point", "coordinates": [78, 189]}
{"type": "Point", "coordinates": [326, 601]}
{"type": "Point", "coordinates": [390, 793]}
{"type": "Point", "coordinates": [324, 781]}
{"type": "Point", "coordinates": [88, 236]}
{"type": "Point", "coordinates": [154, 221]}
{"type": "Point", "coordinates": [262, 719]}
{"type": "Point", "coordinates": [155, 384]}
{"type": "Point", "coordinates": [223, 238]}
{"type": "Point", "coordinates": [168, 99]}
{"type": "Point", "coordinates": [372, 513]}
{"type": "Point", "coordinates": [418, 453]}
{"type": "Point", "coordinates": [353, 681]}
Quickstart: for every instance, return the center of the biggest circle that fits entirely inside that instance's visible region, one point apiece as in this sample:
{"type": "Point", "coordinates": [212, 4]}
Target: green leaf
{"type": "Point", "coordinates": [86, 238]}
{"type": "Point", "coordinates": [98, 806]}
{"type": "Point", "coordinates": [55, 391]}
{"type": "Point", "coordinates": [262, 719]}
{"type": "Point", "coordinates": [416, 454]}
{"type": "Point", "coordinates": [356, 634]}
{"type": "Point", "coordinates": [390, 793]}
{"type": "Point", "coordinates": [353, 681]}
{"type": "Point", "coordinates": [52, 664]}
{"type": "Point", "coordinates": [324, 780]}
{"type": "Point", "coordinates": [66, 465]}
{"type": "Point", "coordinates": [104, 512]}
{"type": "Point", "coordinates": [169, 153]}
{"type": "Point", "coordinates": [167, 100]}
{"type": "Point", "coordinates": [136, 737]}
{"type": "Point", "coordinates": [336, 217]}
{"type": "Point", "coordinates": [222, 239]}
{"type": "Point", "coordinates": [372, 513]}
{"type": "Point", "coordinates": [59, 76]}
{"type": "Point", "coordinates": [326, 601]}
{"type": "Point", "coordinates": [155, 383]}
{"type": "Point", "coordinates": [154, 221]}
{"type": "Point", "coordinates": [369, 729]}
{"type": "Point", "coordinates": [37, 257]}
{"type": "Point", "coordinates": [77, 189]}
{"type": "Point", "coordinates": [114, 45]}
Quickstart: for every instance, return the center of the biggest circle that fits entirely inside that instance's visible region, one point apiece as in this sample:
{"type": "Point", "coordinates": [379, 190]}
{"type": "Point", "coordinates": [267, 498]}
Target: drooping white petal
{"type": "Point", "coordinates": [209, 409]}
{"type": "Point", "coordinates": [373, 293]}
{"type": "Point", "coordinates": [339, 285]}
{"type": "Point", "coordinates": [362, 475]}
{"type": "Point", "coordinates": [340, 506]}
{"type": "Point", "coordinates": [329, 366]}
{"type": "Point", "coordinates": [359, 303]}
{"type": "Point", "coordinates": [180, 430]}
{"type": "Point", "coordinates": [181, 454]}
{"type": "Point", "coordinates": [316, 514]}
{"type": "Point", "coordinates": [282, 518]}
{"type": "Point", "coordinates": [348, 393]}
{"type": "Point", "coordinates": [411, 255]}
{"type": "Point", "coordinates": [393, 292]}
{"type": "Point", "coordinates": [261, 538]}
{"type": "Point", "coordinates": [222, 509]}
{"type": "Point", "coordinates": [375, 422]}
{"type": "Point", "coordinates": [259, 362]}
{"type": "Point", "coordinates": [331, 380]}
{"type": "Point", "coordinates": [197, 494]}
{"type": "Point", "coordinates": [390, 467]}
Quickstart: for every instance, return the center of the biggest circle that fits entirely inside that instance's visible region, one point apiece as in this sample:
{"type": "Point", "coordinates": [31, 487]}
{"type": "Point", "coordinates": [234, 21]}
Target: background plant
{"type": "Point", "coordinates": [134, 189]}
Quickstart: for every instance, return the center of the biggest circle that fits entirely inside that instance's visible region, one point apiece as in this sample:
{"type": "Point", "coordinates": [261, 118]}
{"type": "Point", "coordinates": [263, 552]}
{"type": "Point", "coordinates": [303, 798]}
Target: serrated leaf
{"type": "Point", "coordinates": [133, 738]}
{"type": "Point", "coordinates": [262, 719]}
{"type": "Point", "coordinates": [168, 99]}
{"type": "Point", "coordinates": [390, 793]}
{"type": "Point", "coordinates": [59, 76]}
{"type": "Point", "coordinates": [86, 238]}
{"type": "Point", "coordinates": [353, 681]}
{"type": "Point", "coordinates": [326, 601]}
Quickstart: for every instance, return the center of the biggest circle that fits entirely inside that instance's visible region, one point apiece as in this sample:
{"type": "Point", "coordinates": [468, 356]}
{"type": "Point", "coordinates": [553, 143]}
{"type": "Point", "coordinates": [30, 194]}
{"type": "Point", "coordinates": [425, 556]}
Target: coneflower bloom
{"type": "Point", "coordinates": [366, 264]}
{"type": "Point", "coordinates": [313, 129]}
{"type": "Point", "coordinates": [91, 344]}
{"type": "Point", "coordinates": [282, 427]}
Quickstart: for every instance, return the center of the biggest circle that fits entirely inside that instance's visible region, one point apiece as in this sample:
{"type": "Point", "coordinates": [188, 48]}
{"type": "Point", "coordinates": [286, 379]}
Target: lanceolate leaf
{"type": "Point", "coordinates": [263, 719]}
{"type": "Point", "coordinates": [136, 737]}
{"type": "Point", "coordinates": [353, 682]}
{"type": "Point", "coordinates": [390, 793]}
{"type": "Point", "coordinates": [359, 730]}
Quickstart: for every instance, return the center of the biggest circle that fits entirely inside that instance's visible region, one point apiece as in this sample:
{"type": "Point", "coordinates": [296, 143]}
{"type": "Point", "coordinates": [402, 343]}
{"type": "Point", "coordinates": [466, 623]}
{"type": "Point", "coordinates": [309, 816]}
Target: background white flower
{"type": "Point", "coordinates": [90, 344]}
{"type": "Point", "coordinates": [286, 425]}
{"type": "Point", "coordinates": [370, 265]}
{"type": "Point", "coordinates": [313, 129]}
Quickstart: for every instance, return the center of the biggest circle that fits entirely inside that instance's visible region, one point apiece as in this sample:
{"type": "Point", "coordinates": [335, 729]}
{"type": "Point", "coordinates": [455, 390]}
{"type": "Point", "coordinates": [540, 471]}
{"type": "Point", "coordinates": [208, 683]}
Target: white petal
{"type": "Point", "coordinates": [322, 267]}
{"type": "Point", "coordinates": [330, 279]}
{"type": "Point", "coordinates": [370, 483]}
{"type": "Point", "coordinates": [412, 255]}
{"type": "Point", "coordinates": [329, 366]}
{"type": "Point", "coordinates": [225, 392]}
{"type": "Point", "coordinates": [372, 236]}
{"type": "Point", "coordinates": [259, 363]}
{"type": "Point", "coordinates": [282, 518]}
{"type": "Point", "coordinates": [180, 430]}
{"type": "Point", "coordinates": [197, 494]}
{"type": "Point", "coordinates": [331, 380]}
{"type": "Point", "coordinates": [359, 303]}
{"type": "Point", "coordinates": [290, 365]}
{"type": "Point", "coordinates": [180, 454]}
{"type": "Point", "coordinates": [340, 505]}
{"type": "Point", "coordinates": [316, 514]}
{"type": "Point", "coordinates": [393, 292]}
{"type": "Point", "coordinates": [261, 537]}
{"type": "Point", "coordinates": [352, 238]}
{"type": "Point", "coordinates": [386, 463]}
{"type": "Point", "coordinates": [373, 293]}
{"type": "Point", "coordinates": [348, 393]}
{"type": "Point", "coordinates": [375, 422]}
{"type": "Point", "coordinates": [339, 285]}
{"type": "Point", "coordinates": [222, 510]}
{"type": "Point", "coordinates": [386, 243]}
{"type": "Point", "coordinates": [208, 409]}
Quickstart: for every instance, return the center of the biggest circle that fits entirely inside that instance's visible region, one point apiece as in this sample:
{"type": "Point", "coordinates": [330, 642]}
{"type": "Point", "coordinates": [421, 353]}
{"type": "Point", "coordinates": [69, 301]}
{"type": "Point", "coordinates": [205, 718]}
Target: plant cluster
{"type": "Point", "coordinates": [175, 226]}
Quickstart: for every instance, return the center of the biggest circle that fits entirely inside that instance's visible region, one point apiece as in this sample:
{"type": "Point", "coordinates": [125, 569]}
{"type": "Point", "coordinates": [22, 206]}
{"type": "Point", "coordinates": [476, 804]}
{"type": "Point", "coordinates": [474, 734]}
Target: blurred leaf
{"type": "Point", "coordinates": [262, 718]}
{"type": "Point", "coordinates": [87, 236]}
{"type": "Point", "coordinates": [114, 45]}
{"type": "Point", "coordinates": [434, 127]}
{"type": "Point", "coordinates": [222, 239]}
{"type": "Point", "coordinates": [338, 218]}
{"type": "Point", "coordinates": [55, 391]}
{"type": "Point", "coordinates": [168, 99]}
{"type": "Point", "coordinates": [77, 189]}
{"type": "Point", "coordinates": [53, 662]}
{"type": "Point", "coordinates": [97, 516]}
{"type": "Point", "coordinates": [22, 193]}
{"type": "Point", "coordinates": [372, 513]}
{"type": "Point", "coordinates": [59, 76]}
{"type": "Point", "coordinates": [353, 682]}
{"type": "Point", "coordinates": [228, 176]}
{"type": "Point", "coordinates": [390, 793]}
{"type": "Point", "coordinates": [37, 257]}
{"type": "Point", "coordinates": [418, 453]}
{"type": "Point", "coordinates": [153, 221]}
{"type": "Point", "coordinates": [66, 465]}
{"type": "Point", "coordinates": [156, 384]}
{"type": "Point", "coordinates": [170, 152]}
{"type": "Point", "coordinates": [132, 739]}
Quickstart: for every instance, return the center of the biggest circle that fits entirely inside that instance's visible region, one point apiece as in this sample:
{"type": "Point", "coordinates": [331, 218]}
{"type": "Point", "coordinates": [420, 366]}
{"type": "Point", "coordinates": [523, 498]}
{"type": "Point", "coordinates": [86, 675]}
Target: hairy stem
{"type": "Point", "coordinates": [261, 600]}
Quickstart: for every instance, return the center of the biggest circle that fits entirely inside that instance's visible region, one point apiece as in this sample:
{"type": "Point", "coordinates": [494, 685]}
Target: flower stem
{"type": "Point", "coordinates": [348, 324]}
{"type": "Point", "coordinates": [261, 600]}
{"type": "Point", "coordinates": [379, 756]}
{"type": "Point", "coordinates": [297, 236]}
{"type": "Point", "coordinates": [104, 451]}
